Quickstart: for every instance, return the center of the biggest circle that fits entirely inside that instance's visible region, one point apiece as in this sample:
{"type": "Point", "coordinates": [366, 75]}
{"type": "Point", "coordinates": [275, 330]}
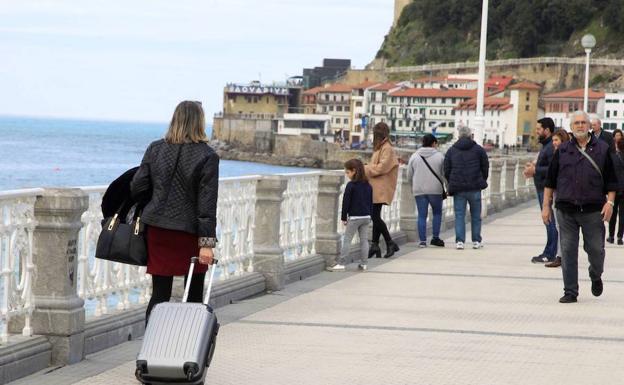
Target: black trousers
{"type": "Point", "coordinates": [618, 214]}
{"type": "Point", "coordinates": [161, 290]}
{"type": "Point", "coordinates": [379, 226]}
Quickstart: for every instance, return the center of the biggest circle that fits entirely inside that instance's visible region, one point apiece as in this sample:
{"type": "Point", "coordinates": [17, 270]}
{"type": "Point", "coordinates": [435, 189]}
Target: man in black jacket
{"type": "Point", "coordinates": [466, 168]}
{"type": "Point", "coordinates": [544, 130]}
{"type": "Point", "coordinates": [599, 133]}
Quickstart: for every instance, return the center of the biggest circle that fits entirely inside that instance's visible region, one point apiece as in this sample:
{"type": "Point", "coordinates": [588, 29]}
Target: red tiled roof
{"type": "Point", "coordinates": [313, 91]}
{"type": "Point", "coordinates": [525, 86]}
{"type": "Point", "coordinates": [578, 93]}
{"type": "Point", "coordinates": [384, 87]}
{"type": "Point", "coordinates": [364, 84]}
{"type": "Point", "coordinates": [338, 88]}
{"type": "Point", "coordinates": [492, 103]}
{"type": "Point", "coordinates": [435, 93]}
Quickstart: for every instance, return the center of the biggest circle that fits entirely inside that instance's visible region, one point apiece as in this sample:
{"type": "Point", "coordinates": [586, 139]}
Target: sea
{"type": "Point", "coordinates": [38, 152]}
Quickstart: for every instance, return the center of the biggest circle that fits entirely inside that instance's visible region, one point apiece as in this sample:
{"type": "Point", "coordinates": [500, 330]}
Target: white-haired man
{"type": "Point", "coordinates": [598, 132]}
{"type": "Point", "coordinates": [582, 174]}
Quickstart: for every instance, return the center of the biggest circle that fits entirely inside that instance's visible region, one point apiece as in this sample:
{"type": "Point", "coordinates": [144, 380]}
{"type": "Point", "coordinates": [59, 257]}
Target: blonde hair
{"type": "Point", "coordinates": [187, 124]}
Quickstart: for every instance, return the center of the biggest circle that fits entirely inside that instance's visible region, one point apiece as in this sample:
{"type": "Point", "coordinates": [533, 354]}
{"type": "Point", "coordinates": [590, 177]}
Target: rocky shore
{"type": "Point", "coordinates": [229, 152]}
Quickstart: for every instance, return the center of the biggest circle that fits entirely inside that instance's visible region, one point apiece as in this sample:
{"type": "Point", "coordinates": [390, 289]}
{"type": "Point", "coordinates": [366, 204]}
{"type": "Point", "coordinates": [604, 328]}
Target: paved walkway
{"type": "Point", "coordinates": [430, 316]}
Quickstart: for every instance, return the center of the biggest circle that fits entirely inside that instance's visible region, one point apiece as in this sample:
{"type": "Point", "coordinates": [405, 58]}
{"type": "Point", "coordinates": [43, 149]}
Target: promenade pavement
{"type": "Point", "coordinates": [429, 316]}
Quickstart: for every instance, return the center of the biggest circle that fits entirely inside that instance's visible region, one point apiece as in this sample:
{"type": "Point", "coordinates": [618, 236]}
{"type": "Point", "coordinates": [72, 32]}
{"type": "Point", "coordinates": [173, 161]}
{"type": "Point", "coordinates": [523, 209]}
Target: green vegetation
{"type": "Point", "coordinates": [445, 31]}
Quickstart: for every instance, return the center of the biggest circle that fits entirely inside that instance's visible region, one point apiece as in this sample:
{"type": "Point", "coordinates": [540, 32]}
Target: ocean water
{"type": "Point", "coordinates": [37, 152]}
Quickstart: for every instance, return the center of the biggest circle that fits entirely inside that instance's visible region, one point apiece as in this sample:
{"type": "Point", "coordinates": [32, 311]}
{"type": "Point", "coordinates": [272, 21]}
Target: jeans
{"type": "Point", "coordinates": [473, 198]}
{"type": "Point", "coordinates": [422, 204]}
{"type": "Point", "coordinates": [593, 230]}
{"type": "Point", "coordinates": [361, 227]}
{"type": "Point", "coordinates": [552, 237]}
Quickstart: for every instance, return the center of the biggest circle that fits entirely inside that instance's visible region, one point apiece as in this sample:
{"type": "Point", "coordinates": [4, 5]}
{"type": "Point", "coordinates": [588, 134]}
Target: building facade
{"type": "Point", "coordinates": [613, 111]}
{"type": "Point", "coordinates": [255, 99]}
{"type": "Point", "coordinates": [335, 100]}
{"type": "Point", "coordinates": [560, 105]}
{"type": "Point", "coordinates": [499, 125]}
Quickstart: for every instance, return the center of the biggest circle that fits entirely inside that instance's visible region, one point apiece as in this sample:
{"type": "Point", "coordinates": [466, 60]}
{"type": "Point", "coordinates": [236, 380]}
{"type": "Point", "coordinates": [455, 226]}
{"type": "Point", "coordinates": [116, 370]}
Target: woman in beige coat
{"type": "Point", "coordinates": [382, 173]}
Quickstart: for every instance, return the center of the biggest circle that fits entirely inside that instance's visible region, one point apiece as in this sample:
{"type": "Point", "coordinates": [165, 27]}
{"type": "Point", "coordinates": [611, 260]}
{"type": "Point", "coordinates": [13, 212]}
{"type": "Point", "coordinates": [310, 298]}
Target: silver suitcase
{"type": "Point", "coordinates": [179, 340]}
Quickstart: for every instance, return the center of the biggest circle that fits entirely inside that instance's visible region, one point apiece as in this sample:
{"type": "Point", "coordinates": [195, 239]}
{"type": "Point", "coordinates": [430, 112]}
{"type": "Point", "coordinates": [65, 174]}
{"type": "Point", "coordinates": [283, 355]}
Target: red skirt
{"type": "Point", "coordinates": [169, 252]}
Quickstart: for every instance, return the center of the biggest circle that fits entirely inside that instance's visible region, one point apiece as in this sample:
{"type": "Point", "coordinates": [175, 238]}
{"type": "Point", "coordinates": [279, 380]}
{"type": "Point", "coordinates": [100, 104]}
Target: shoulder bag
{"type": "Point", "coordinates": [444, 194]}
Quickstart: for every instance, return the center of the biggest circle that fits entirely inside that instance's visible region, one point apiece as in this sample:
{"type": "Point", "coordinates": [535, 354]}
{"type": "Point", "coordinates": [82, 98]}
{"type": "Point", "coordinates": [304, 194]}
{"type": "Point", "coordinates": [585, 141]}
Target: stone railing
{"type": "Point", "coordinates": [271, 230]}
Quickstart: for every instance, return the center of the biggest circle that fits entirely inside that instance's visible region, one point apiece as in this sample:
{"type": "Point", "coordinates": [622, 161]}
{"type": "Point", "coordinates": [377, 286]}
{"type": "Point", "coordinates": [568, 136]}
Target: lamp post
{"type": "Point", "coordinates": [479, 121]}
{"type": "Point", "coordinates": [588, 42]}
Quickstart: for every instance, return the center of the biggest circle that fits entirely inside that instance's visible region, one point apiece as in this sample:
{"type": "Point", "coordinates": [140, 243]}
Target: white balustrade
{"type": "Point", "coordinates": [298, 216]}
{"type": "Point", "coordinates": [103, 283]}
{"type": "Point", "coordinates": [391, 214]}
{"type": "Point", "coordinates": [236, 215]}
{"type": "Point", "coordinates": [17, 224]}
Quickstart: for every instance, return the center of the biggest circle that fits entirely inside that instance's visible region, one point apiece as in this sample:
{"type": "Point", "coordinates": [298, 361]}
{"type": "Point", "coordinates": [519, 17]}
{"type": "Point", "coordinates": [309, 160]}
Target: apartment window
{"type": "Point", "coordinates": [526, 108]}
{"type": "Point", "coordinates": [383, 109]}
{"type": "Point", "coordinates": [614, 114]}
{"type": "Point", "coordinates": [392, 99]}
{"type": "Point", "coordinates": [400, 123]}
{"type": "Point", "coordinates": [608, 114]}
{"type": "Point", "coordinates": [337, 120]}
{"type": "Point", "coordinates": [454, 101]}
{"type": "Point", "coordinates": [339, 108]}
{"type": "Point", "coordinates": [400, 111]}
{"type": "Point", "coordinates": [528, 96]}
{"type": "Point", "coordinates": [324, 108]}
{"type": "Point", "coordinates": [331, 108]}
{"type": "Point", "coordinates": [443, 100]}
{"type": "Point", "coordinates": [345, 121]}
{"type": "Point", "coordinates": [373, 95]}
{"type": "Point", "coordinates": [347, 108]}
{"type": "Point", "coordinates": [358, 104]}
{"type": "Point", "coordinates": [433, 100]}
{"type": "Point", "coordinates": [442, 112]}
{"type": "Point", "coordinates": [342, 98]}
{"type": "Point", "coordinates": [422, 111]}
{"type": "Point", "coordinates": [451, 124]}
{"type": "Point", "coordinates": [434, 112]}
{"type": "Point", "coordinates": [372, 110]}
{"type": "Point", "coordinates": [497, 123]}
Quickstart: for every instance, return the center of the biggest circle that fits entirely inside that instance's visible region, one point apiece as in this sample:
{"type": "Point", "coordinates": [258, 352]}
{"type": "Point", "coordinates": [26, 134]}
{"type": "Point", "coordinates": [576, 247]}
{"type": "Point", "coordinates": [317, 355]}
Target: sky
{"type": "Point", "coordinates": [135, 60]}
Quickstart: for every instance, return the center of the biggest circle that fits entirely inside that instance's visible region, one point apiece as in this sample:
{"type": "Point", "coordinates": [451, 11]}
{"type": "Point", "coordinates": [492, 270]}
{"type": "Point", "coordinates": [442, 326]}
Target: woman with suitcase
{"type": "Point", "coordinates": [178, 181]}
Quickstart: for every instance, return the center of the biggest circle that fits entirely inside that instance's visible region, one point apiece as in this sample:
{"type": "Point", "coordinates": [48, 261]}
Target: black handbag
{"type": "Point", "coordinates": [123, 241]}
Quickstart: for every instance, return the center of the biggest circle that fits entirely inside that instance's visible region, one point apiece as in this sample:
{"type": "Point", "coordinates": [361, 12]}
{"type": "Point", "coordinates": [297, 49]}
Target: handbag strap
{"type": "Point", "coordinates": [433, 172]}
{"type": "Point", "coordinates": [593, 163]}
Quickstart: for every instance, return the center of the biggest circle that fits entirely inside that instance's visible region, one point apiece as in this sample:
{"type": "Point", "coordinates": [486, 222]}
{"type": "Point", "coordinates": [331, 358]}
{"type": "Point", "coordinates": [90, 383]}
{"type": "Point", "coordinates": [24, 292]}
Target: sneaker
{"type": "Point", "coordinates": [422, 244]}
{"type": "Point", "coordinates": [437, 242]}
{"type": "Point", "coordinates": [362, 267]}
{"type": "Point", "coordinates": [620, 241]}
{"type": "Point", "coordinates": [568, 298]}
{"type": "Point", "coordinates": [555, 263]}
{"type": "Point", "coordinates": [459, 245]}
{"type": "Point", "coordinates": [337, 267]}
{"type": "Point", "coordinates": [597, 287]}
{"type": "Point", "coordinates": [477, 245]}
{"type": "Point", "coordinates": [541, 259]}
{"type": "Point", "coordinates": [610, 239]}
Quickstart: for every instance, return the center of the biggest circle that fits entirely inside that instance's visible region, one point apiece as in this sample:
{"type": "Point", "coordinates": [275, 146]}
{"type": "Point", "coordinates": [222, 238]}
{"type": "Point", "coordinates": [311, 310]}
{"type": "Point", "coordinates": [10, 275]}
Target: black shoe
{"type": "Point", "coordinates": [374, 250]}
{"type": "Point", "coordinates": [568, 298]}
{"type": "Point", "coordinates": [555, 263]}
{"type": "Point", "coordinates": [391, 248]}
{"type": "Point", "coordinates": [597, 287]}
{"type": "Point", "coordinates": [620, 241]}
{"type": "Point", "coordinates": [610, 239]}
{"type": "Point", "coordinates": [437, 242]}
{"type": "Point", "coordinates": [541, 259]}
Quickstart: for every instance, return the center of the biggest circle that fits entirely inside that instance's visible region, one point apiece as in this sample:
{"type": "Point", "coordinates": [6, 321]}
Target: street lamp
{"type": "Point", "coordinates": [588, 42]}
{"type": "Point", "coordinates": [479, 121]}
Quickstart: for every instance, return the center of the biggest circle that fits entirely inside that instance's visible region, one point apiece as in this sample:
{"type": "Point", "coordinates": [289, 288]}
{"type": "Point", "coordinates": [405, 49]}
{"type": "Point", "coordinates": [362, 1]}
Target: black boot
{"type": "Point", "coordinates": [391, 248]}
{"type": "Point", "coordinates": [374, 250]}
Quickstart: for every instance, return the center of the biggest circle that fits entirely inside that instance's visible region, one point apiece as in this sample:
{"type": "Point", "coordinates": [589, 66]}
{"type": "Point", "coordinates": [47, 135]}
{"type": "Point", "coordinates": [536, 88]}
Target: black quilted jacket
{"type": "Point", "coordinates": [184, 181]}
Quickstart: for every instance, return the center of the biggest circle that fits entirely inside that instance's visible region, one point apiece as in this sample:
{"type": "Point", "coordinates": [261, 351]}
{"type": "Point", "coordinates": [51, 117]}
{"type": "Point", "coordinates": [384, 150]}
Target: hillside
{"type": "Point", "coordinates": [446, 31]}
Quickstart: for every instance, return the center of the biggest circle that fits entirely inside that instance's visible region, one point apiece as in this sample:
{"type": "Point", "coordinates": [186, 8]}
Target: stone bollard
{"type": "Point", "coordinates": [496, 196]}
{"type": "Point", "coordinates": [521, 182]}
{"type": "Point", "coordinates": [510, 180]}
{"type": "Point", "coordinates": [268, 255]}
{"type": "Point", "coordinates": [59, 312]}
{"type": "Point", "coordinates": [328, 240]}
{"type": "Point", "coordinates": [408, 209]}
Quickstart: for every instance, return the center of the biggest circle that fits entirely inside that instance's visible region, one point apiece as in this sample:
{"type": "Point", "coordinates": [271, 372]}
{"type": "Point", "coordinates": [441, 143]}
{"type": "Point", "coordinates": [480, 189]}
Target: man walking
{"type": "Point", "coordinates": [544, 130]}
{"type": "Point", "coordinates": [581, 173]}
{"type": "Point", "coordinates": [599, 133]}
{"type": "Point", "coordinates": [466, 168]}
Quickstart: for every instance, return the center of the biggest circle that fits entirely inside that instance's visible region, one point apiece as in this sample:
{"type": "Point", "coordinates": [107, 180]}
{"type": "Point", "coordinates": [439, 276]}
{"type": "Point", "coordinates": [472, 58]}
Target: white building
{"type": "Point", "coordinates": [500, 123]}
{"type": "Point", "coordinates": [315, 125]}
{"type": "Point", "coordinates": [460, 82]}
{"type": "Point", "coordinates": [359, 109]}
{"type": "Point", "coordinates": [377, 96]}
{"type": "Point", "coordinates": [613, 111]}
{"type": "Point", "coordinates": [335, 100]}
{"type": "Point", "coordinates": [425, 109]}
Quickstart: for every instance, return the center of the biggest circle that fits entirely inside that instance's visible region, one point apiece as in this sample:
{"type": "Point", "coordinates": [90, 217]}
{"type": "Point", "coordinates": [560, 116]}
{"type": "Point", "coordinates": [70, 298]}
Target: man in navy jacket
{"type": "Point", "coordinates": [544, 130]}
{"type": "Point", "coordinates": [466, 168]}
{"type": "Point", "coordinates": [582, 174]}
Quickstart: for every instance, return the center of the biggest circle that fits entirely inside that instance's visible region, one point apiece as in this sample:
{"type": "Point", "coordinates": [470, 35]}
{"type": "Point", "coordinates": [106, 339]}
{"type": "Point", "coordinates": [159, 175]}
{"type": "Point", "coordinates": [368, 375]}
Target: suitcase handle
{"type": "Point", "coordinates": [187, 288]}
